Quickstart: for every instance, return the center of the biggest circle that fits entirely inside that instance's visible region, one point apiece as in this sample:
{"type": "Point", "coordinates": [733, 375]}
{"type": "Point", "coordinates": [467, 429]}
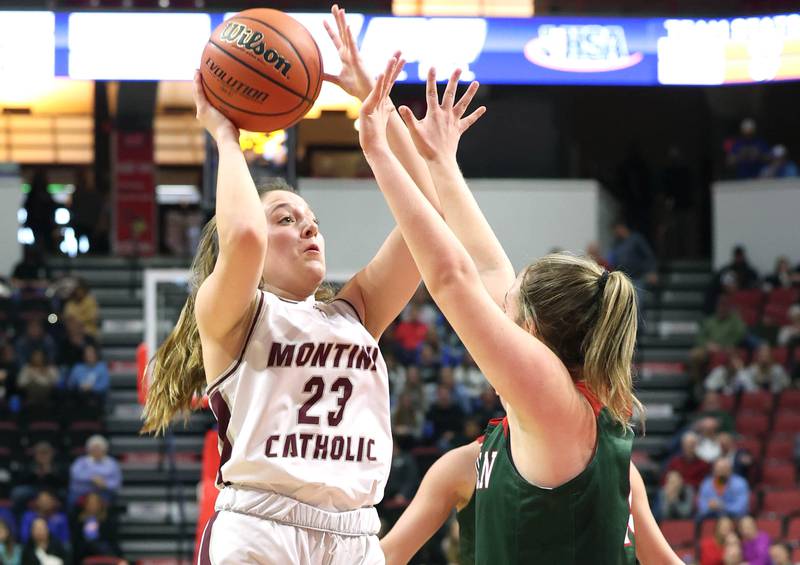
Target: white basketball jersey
{"type": "Point", "coordinates": [304, 410]}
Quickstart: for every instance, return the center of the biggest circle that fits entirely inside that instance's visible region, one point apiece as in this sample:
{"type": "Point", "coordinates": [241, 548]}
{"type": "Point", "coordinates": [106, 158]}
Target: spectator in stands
{"type": "Point", "coordinates": [403, 479]}
{"type": "Point", "coordinates": [708, 447]}
{"type": "Point", "coordinates": [407, 418]}
{"type": "Point", "coordinates": [409, 335]}
{"type": "Point", "coordinates": [70, 348]}
{"type": "Point", "coordinates": [94, 530]}
{"type": "Point", "coordinates": [789, 335]}
{"type": "Point", "coordinates": [470, 431]}
{"type": "Point", "coordinates": [10, 551]}
{"type": "Point", "coordinates": [779, 165]}
{"type": "Point", "coordinates": [429, 363]}
{"type": "Point", "coordinates": [414, 388]}
{"type": "Point", "coordinates": [82, 305]}
{"type": "Point", "coordinates": [742, 458]}
{"type": "Point", "coordinates": [89, 380]}
{"type": "Point", "coordinates": [30, 274]}
{"type": "Point", "coordinates": [720, 332]}
{"type": "Point", "coordinates": [88, 212]}
{"type": "Point", "coordinates": [40, 213]}
{"type": "Point", "coordinates": [755, 544]}
{"type": "Point", "coordinates": [445, 418]}
{"type": "Point", "coordinates": [723, 492]}
{"type": "Point", "coordinates": [37, 379]}
{"type": "Point", "coordinates": [676, 498]}
{"type": "Point", "coordinates": [45, 507]}
{"type": "Point", "coordinates": [783, 276]}
{"type": "Point", "coordinates": [457, 392]}
{"type": "Point", "coordinates": [43, 473]}
{"type": "Point", "coordinates": [633, 255]}
{"type": "Point", "coordinates": [34, 338]}
{"type": "Point", "coordinates": [780, 554]}
{"type": "Point", "coordinates": [593, 253]}
{"type": "Point", "coordinates": [732, 554]}
{"type": "Point", "coordinates": [488, 406]}
{"type": "Point", "coordinates": [765, 373]}
{"type": "Point", "coordinates": [748, 153]}
{"type": "Point", "coordinates": [95, 472]}
{"type": "Point", "coordinates": [744, 274]}
{"type": "Point", "coordinates": [730, 378]}
{"type": "Point", "coordinates": [469, 376]}
{"type": "Point", "coordinates": [687, 464]}
{"type": "Point", "coordinates": [42, 548]}
{"type": "Point", "coordinates": [8, 375]}
{"type": "Point", "coordinates": [712, 547]}
{"type": "Point", "coordinates": [711, 407]}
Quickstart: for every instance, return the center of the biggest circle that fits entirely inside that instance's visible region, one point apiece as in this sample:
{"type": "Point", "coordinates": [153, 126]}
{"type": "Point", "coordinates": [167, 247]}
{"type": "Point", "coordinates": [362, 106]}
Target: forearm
{"type": "Point", "coordinates": [403, 148]}
{"type": "Point", "coordinates": [436, 251]}
{"type": "Point", "coordinates": [238, 206]}
{"type": "Point", "coordinates": [465, 218]}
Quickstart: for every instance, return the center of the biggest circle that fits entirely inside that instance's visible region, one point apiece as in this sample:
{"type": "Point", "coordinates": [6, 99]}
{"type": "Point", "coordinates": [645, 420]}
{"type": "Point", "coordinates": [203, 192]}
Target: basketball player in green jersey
{"type": "Point", "coordinates": [557, 344]}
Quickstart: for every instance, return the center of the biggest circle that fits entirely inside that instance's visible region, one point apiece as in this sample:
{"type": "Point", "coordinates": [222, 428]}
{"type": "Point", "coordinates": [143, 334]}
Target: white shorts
{"type": "Point", "coordinates": [254, 527]}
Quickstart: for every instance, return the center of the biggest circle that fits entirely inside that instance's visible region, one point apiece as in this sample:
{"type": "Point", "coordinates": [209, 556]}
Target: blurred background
{"type": "Point", "coordinates": [660, 138]}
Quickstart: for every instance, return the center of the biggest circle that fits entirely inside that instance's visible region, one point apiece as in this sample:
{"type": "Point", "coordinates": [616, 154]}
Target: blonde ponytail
{"type": "Point", "coordinates": [607, 367]}
{"type": "Point", "coordinates": [589, 320]}
{"type": "Point", "coordinates": [177, 369]}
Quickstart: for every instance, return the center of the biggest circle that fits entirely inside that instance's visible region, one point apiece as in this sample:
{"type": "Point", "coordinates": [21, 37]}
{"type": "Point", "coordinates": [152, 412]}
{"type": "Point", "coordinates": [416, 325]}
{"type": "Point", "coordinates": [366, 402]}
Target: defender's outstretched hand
{"type": "Point", "coordinates": [436, 135]}
{"type": "Point", "coordinates": [375, 110]}
{"type": "Point", "coordinates": [353, 78]}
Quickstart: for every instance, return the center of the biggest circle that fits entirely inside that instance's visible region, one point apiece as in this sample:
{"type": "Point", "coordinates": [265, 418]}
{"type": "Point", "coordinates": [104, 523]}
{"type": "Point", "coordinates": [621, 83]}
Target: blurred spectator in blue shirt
{"type": "Point", "coordinates": [91, 375]}
{"type": "Point", "coordinates": [723, 493]}
{"type": "Point", "coordinates": [34, 338]}
{"type": "Point", "coordinates": [632, 255]}
{"type": "Point", "coordinates": [779, 166]}
{"type": "Point", "coordinates": [45, 506]}
{"type": "Point", "coordinates": [95, 472]}
{"type": "Point", "coordinates": [748, 153]}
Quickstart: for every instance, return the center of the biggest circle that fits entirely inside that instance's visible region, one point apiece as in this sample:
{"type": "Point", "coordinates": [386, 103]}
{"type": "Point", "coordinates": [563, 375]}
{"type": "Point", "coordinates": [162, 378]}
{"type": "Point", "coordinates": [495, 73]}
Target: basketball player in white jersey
{"type": "Point", "coordinates": [298, 385]}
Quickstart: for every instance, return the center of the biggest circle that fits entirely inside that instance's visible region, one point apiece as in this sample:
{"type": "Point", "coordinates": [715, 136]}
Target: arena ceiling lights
{"type": "Point", "coordinates": [538, 50]}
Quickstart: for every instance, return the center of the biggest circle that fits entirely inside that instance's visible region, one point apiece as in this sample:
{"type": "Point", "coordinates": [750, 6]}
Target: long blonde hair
{"type": "Point", "coordinates": [588, 318]}
{"type": "Point", "coordinates": [177, 375]}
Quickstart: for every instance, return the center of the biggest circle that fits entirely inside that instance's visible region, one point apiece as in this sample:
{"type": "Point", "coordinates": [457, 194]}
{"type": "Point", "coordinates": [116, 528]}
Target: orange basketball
{"type": "Point", "coordinates": [262, 69]}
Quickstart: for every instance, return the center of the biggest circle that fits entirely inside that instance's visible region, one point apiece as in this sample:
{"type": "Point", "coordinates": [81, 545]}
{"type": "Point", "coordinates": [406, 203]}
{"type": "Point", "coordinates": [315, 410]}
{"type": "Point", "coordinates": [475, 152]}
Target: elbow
{"type": "Point", "coordinates": [451, 276]}
{"type": "Point", "coordinates": [247, 237]}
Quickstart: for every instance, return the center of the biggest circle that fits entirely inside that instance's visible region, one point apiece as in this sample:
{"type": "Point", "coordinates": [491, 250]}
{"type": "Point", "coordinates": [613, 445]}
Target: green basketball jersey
{"type": "Point", "coordinates": [585, 521]}
{"type": "Point", "coordinates": [466, 533]}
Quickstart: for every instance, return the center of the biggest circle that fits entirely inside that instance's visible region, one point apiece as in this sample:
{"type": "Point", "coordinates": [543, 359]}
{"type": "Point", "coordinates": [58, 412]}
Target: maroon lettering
{"type": "Point", "coordinates": [337, 446]}
{"type": "Point", "coordinates": [280, 356]}
{"type": "Point", "coordinates": [374, 355]}
{"type": "Point", "coordinates": [304, 439]}
{"type": "Point", "coordinates": [268, 452]}
{"type": "Point", "coordinates": [364, 360]}
{"type": "Point", "coordinates": [370, 457]}
{"type": "Point", "coordinates": [321, 354]}
{"type": "Point", "coordinates": [360, 449]}
{"type": "Point", "coordinates": [352, 356]}
{"type": "Point", "coordinates": [304, 354]}
{"type": "Point", "coordinates": [340, 348]}
{"type": "Point", "coordinates": [315, 385]}
{"type": "Point", "coordinates": [343, 384]}
{"type": "Point", "coordinates": [321, 447]}
{"type": "Point", "coordinates": [290, 446]}
{"type": "Point", "coordinates": [348, 444]}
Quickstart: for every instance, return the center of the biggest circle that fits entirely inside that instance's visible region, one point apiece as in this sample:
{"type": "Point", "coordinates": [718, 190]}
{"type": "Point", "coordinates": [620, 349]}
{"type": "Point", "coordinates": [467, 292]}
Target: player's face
{"type": "Point", "coordinates": [295, 263]}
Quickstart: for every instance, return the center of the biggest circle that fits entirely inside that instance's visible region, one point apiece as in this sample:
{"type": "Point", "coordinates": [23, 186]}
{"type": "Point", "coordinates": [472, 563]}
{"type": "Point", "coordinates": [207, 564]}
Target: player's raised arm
{"type": "Point", "coordinates": [447, 485]}
{"type": "Point", "coordinates": [381, 289]}
{"type": "Point", "coordinates": [436, 138]}
{"type": "Point", "coordinates": [227, 295]}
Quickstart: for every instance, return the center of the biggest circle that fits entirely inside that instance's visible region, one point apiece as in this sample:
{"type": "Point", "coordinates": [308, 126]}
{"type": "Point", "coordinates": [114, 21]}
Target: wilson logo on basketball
{"type": "Point", "coordinates": [253, 41]}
